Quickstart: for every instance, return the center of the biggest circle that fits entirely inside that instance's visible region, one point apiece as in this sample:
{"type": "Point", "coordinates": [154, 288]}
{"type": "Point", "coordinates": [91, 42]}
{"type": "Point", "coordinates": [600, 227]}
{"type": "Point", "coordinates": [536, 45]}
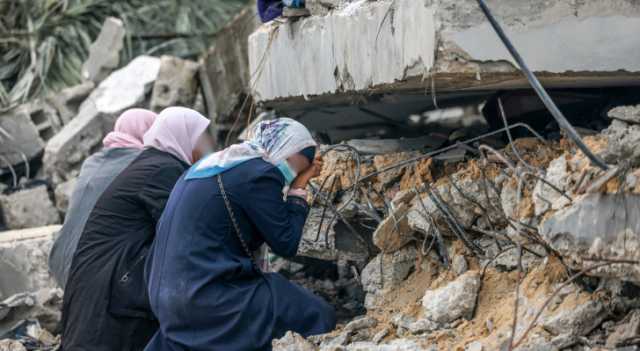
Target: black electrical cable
{"type": "Point", "coordinates": [542, 93]}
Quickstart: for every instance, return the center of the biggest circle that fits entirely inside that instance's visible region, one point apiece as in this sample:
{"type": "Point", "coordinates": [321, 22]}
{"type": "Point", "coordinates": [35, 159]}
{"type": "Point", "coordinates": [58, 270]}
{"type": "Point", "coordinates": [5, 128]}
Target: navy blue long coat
{"type": "Point", "coordinates": [203, 287]}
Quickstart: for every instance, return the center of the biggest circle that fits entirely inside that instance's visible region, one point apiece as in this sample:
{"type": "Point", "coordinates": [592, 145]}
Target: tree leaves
{"type": "Point", "coordinates": [43, 43]}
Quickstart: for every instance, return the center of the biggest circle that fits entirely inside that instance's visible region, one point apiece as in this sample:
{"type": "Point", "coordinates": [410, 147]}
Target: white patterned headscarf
{"type": "Point", "coordinates": [273, 140]}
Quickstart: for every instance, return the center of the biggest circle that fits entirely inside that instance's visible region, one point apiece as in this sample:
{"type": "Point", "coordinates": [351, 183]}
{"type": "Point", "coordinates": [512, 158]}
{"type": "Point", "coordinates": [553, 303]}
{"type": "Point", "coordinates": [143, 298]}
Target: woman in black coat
{"type": "Point", "coordinates": [105, 305]}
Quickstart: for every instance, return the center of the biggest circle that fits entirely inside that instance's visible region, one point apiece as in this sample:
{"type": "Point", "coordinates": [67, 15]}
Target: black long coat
{"type": "Point", "coordinates": [105, 305]}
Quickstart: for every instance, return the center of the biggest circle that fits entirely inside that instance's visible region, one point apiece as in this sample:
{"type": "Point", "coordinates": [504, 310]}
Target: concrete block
{"type": "Point", "coordinates": [176, 84]}
{"type": "Point", "coordinates": [598, 225]}
{"type": "Point", "coordinates": [67, 101]}
{"type": "Point", "coordinates": [394, 231]}
{"type": "Point", "coordinates": [125, 88]}
{"type": "Point", "coordinates": [452, 301]}
{"type": "Point", "coordinates": [24, 256]}
{"type": "Point", "coordinates": [224, 72]}
{"type": "Point", "coordinates": [104, 53]}
{"type": "Point", "coordinates": [351, 49]}
{"type": "Point", "coordinates": [63, 194]}
{"type": "Point", "coordinates": [390, 47]}
{"type": "Point", "coordinates": [27, 291]}
{"type": "Point", "coordinates": [28, 208]}
{"type": "Point", "coordinates": [18, 136]}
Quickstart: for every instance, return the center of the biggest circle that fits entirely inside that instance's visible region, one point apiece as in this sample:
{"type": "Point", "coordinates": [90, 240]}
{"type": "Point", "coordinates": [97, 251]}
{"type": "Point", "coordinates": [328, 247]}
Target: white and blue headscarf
{"type": "Point", "coordinates": [273, 140]}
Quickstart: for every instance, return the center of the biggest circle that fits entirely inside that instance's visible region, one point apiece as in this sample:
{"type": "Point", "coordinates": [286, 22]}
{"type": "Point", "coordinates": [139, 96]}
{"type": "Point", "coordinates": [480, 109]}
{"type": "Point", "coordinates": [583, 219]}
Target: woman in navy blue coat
{"type": "Point", "coordinates": [204, 286]}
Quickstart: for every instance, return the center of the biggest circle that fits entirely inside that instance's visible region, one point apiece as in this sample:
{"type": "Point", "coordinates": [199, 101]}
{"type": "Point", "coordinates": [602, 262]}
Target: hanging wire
{"type": "Point", "coordinates": [539, 89]}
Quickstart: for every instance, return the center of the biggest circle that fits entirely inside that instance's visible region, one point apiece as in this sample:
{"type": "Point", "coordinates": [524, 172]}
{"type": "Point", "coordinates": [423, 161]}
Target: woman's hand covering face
{"type": "Point", "coordinates": [310, 172]}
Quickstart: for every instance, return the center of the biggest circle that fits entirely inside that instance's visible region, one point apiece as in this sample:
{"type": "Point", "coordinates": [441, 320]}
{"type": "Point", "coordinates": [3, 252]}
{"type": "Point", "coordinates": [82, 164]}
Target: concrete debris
{"type": "Point", "coordinates": [292, 342]}
{"type": "Point", "coordinates": [360, 323]}
{"type": "Point", "coordinates": [123, 89]}
{"type": "Point", "coordinates": [28, 208]}
{"type": "Point", "coordinates": [225, 73]}
{"type": "Point", "coordinates": [629, 114]}
{"type": "Point", "coordinates": [405, 324]}
{"type": "Point", "coordinates": [627, 330]}
{"type": "Point", "coordinates": [104, 53]}
{"type": "Point", "coordinates": [579, 321]}
{"type": "Point", "coordinates": [394, 232]}
{"type": "Point", "coordinates": [176, 84]}
{"type": "Point", "coordinates": [623, 143]}
{"type": "Point", "coordinates": [459, 265]}
{"type": "Point", "coordinates": [474, 346]}
{"type": "Point", "coordinates": [45, 118]}
{"type": "Point", "coordinates": [318, 239]}
{"type": "Point", "coordinates": [598, 226]}
{"type": "Point", "coordinates": [24, 260]}
{"type": "Point", "coordinates": [43, 307]}
{"type": "Point", "coordinates": [388, 146]}
{"type": "Point", "coordinates": [385, 271]}
{"type": "Point", "coordinates": [455, 300]}
{"type": "Point", "coordinates": [380, 162]}
{"type": "Point", "coordinates": [544, 196]}
{"type": "Point", "coordinates": [67, 101]}
{"type": "Point", "coordinates": [394, 345]}
{"type": "Point", "coordinates": [19, 137]}
{"type": "Point", "coordinates": [63, 194]}
{"type": "Point", "coordinates": [11, 345]}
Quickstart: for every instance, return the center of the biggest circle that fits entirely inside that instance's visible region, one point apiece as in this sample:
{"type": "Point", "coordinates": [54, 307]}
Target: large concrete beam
{"type": "Point", "coordinates": [414, 46]}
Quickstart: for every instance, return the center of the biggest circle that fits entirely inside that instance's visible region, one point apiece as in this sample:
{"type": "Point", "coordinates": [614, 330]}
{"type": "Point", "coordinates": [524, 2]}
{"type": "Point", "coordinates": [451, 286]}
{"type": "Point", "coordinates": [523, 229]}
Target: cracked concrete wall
{"type": "Point", "coordinates": [347, 50]}
{"type": "Point", "coordinates": [389, 45]}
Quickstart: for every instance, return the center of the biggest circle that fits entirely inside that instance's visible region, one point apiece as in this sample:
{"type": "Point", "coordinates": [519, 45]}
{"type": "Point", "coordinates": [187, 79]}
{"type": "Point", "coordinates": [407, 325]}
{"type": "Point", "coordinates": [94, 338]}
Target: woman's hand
{"type": "Point", "coordinates": [313, 171]}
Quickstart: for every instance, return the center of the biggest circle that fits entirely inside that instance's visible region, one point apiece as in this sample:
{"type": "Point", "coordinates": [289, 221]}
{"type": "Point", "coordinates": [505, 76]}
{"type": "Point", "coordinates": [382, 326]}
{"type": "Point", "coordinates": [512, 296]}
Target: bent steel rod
{"type": "Point", "coordinates": [539, 89]}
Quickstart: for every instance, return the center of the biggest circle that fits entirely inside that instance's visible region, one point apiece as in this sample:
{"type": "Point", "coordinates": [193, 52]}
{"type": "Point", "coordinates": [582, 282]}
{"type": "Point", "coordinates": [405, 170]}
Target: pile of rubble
{"type": "Point", "coordinates": [524, 246]}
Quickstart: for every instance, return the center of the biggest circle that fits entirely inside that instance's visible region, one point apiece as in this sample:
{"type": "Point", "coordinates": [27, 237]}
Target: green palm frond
{"type": "Point", "coordinates": [43, 43]}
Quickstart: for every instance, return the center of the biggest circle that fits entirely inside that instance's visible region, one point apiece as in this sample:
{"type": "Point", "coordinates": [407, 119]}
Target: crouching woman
{"type": "Point", "coordinates": [204, 287]}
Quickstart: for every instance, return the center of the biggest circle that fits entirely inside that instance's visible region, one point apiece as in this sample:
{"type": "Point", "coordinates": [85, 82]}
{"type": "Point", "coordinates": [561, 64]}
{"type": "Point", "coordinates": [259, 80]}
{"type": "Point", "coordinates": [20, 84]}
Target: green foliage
{"type": "Point", "coordinates": [43, 43]}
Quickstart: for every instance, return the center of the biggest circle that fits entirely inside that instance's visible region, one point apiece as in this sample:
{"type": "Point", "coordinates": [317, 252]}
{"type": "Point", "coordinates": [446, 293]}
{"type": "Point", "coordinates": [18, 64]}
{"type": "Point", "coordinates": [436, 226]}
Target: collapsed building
{"type": "Point", "coordinates": [452, 213]}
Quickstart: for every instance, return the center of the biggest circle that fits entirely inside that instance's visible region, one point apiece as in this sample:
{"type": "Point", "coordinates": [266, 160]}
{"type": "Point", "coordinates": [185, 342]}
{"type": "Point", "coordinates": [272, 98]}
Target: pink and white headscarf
{"type": "Point", "coordinates": [130, 128]}
{"type": "Point", "coordinates": [176, 131]}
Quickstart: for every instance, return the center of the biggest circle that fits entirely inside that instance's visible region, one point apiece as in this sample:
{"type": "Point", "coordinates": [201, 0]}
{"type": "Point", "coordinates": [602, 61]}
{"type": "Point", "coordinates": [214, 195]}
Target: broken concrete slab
{"type": "Point", "coordinates": [455, 300]}
{"type": "Point", "coordinates": [66, 151]}
{"type": "Point", "coordinates": [380, 162]}
{"type": "Point", "coordinates": [18, 137]}
{"type": "Point", "coordinates": [63, 194]}
{"type": "Point", "coordinates": [104, 53]}
{"type": "Point", "coordinates": [387, 146]}
{"type": "Point", "coordinates": [225, 72]}
{"type": "Point", "coordinates": [623, 143]}
{"type": "Point", "coordinates": [405, 323]}
{"type": "Point", "coordinates": [468, 54]}
{"type": "Point", "coordinates": [394, 232]}
{"type": "Point", "coordinates": [628, 329]}
{"type": "Point", "coordinates": [28, 208]}
{"type": "Point", "coordinates": [11, 345]}
{"type": "Point", "coordinates": [292, 342]}
{"type": "Point", "coordinates": [579, 321]}
{"type": "Point", "coordinates": [42, 307]}
{"type": "Point", "coordinates": [24, 260]}
{"type": "Point", "coordinates": [45, 118]}
{"type": "Point", "coordinates": [176, 84]}
{"type": "Point", "coordinates": [385, 271]}
{"type": "Point", "coordinates": [318, 239]}
{"type": "Point", "coordinates": [312, 45]}
{"type": "Point", "coordinates": [125, 88]}
{"type": "Point", "coordinates": [544, 196]}
{"type": "Point", "coordinates": [393, 345]}
{"type": "Point", "coordinates": [598, 226]}
{"type": "Point", "coordinates": [68, 100]}
{"type": "Point", "coordinates": [629, 114]}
